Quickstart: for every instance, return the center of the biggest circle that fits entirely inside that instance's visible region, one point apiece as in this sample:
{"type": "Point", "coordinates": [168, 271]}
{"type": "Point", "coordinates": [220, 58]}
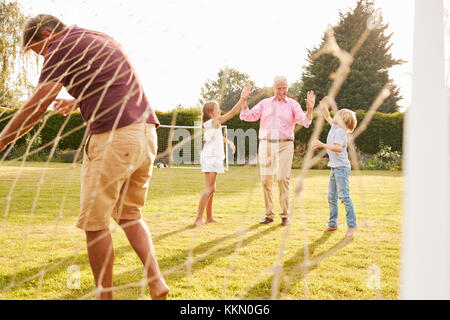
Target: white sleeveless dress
{"type": "Point", "coordinates": [213, 154]}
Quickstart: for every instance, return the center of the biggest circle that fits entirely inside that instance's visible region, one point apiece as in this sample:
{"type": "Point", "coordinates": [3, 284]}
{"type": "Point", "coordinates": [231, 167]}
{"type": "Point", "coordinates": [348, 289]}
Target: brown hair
{"type": "Point", "coordinates": [349, 119]}
{"type": "Point", "coordinates": [33, 27]}
{"type": "Point", "coordinates": [207, 111]}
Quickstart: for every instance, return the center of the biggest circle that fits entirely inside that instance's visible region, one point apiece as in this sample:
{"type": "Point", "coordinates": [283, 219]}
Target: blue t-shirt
{"type": "Point", "coordinates": [338, 135]}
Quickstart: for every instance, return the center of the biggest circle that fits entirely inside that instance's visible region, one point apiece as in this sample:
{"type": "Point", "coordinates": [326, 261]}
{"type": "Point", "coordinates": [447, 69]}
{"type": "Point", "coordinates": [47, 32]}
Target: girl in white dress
{"type": "Point", "coordinates": [213, 155]}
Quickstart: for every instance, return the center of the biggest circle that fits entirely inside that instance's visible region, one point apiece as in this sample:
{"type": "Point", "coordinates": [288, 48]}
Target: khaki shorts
{"type": "Point", "coordinates": [115, 175]}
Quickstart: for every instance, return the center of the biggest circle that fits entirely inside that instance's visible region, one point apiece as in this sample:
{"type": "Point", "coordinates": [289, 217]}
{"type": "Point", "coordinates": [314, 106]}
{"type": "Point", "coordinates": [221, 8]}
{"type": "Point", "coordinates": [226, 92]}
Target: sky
{"type": "Point", "coordinates": [177, 45]}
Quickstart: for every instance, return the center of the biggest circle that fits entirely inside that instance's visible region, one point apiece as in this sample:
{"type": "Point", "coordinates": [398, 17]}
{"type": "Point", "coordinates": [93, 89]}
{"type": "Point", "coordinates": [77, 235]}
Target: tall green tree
{"type": "Point", "coordinates": [295, 90]}
{"type": "Point", "coordinates": [226, 89]}
{"type": "Point", "coordinates": [369, 72]}
{"type": "Point", "coordinates": [14, 65]}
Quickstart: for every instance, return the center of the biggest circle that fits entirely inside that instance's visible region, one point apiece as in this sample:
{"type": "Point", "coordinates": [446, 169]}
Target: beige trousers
{"type": "Point", "coordinates": [275, 158]}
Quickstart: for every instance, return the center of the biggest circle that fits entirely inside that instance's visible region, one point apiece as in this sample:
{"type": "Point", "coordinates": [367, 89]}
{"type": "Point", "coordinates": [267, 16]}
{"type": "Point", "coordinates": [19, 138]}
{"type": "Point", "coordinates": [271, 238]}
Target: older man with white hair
{"type": "Point", "coordinates": [278, 115]}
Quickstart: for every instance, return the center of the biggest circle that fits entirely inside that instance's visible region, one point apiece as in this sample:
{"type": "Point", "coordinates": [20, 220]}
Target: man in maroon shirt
{"type": "Point", "coordinates": [122, 143]}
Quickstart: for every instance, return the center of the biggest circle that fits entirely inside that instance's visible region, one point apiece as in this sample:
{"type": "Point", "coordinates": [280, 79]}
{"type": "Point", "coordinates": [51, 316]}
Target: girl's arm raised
{"type": "Point", "coordinates": [240, 105]}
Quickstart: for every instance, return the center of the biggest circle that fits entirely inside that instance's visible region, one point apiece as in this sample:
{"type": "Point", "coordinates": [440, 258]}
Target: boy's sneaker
{"type": "Point", "coordinates": [330, 229]}
{"type": "Point", "coordinates": [285, 222]}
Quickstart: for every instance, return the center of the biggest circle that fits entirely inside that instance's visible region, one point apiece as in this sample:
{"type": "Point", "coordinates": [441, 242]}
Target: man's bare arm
{"type": "Point", "coordinates": [30, 113]}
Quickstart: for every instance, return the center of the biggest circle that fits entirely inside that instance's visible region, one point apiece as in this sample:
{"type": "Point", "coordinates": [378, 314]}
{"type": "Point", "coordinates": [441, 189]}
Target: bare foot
{"type": "Point", "coordinates": [199, 223]}
{"type": "Point", "coordinates": [211, 220]}
{"type": "Point", "coordinates": [159, 290]}
{"type": "Point", "coordinates": [351, 232]}
{"type": "Point", "coordinates": [329, 229]}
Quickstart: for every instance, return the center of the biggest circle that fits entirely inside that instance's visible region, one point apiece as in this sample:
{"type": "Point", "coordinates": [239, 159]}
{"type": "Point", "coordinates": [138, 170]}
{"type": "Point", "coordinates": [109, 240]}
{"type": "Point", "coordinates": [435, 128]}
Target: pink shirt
{"type": "Point", "coordinates": [278, 118]}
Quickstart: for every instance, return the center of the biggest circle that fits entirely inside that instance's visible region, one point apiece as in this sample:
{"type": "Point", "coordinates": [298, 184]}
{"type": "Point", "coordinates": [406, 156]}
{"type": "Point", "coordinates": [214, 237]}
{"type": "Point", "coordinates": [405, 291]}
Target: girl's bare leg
{"type": "Point", "coordinates": [210, 181]}
{"type": "Point", "coordinates": [209, 210]}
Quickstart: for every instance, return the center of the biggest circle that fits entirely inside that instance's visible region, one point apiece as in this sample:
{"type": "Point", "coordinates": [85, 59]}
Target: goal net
{"type": "Point", "coordinates": [39, 203]}
{"type": "Point", "coordinates": [180, 147]}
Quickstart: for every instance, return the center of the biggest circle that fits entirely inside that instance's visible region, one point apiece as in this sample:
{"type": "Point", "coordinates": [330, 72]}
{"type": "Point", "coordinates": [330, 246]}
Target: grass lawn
{"type": "Point", "coordinates": [233, 259]}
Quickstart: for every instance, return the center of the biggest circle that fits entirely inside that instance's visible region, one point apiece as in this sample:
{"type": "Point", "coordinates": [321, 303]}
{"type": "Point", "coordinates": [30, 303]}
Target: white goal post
{"type": "Point", "coordinates": [187, 144]}
{"type": "Point", "coordinates": [426, 249]}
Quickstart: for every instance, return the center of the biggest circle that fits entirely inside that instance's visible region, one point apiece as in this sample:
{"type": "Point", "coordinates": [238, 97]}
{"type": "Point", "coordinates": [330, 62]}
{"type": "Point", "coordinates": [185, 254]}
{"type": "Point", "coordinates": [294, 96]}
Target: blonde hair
{"type": "Point", "coordinates": [208, 109]}
{"type": "Point", "coordinates": [349, 119]}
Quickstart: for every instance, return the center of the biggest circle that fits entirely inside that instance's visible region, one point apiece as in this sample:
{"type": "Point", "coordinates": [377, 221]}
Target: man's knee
{"type": "Point", "coordinates": [284, 182]}
{"type": "Point", "coordinates": [96, 233]}
{"type": "Point", "coordinates": [267, 180]}
{"type": "Point", "coordinates": [128, 223]}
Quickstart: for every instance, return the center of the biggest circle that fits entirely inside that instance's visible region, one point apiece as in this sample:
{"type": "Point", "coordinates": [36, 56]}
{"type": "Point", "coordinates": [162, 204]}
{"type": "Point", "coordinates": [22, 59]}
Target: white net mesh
{"type": "Point", "coordinates": [233, 260]}
{"type": "Point", "coordinates": [185, 145]}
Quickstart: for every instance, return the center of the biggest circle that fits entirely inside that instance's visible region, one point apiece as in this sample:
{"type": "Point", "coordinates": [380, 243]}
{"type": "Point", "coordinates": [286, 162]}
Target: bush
{"type": "Point", "coordinates": [51, 129]}
{"type": "Point", "coordinates": [68, 156]}
{"type": "Point", "coordinates": [385, 159]}
{"type": "Point", "coordinates": [321, 164]}
{"type": "Point", "coordinates": [21, 149]}
{"type": "Point", "coordinates": [384, 128]}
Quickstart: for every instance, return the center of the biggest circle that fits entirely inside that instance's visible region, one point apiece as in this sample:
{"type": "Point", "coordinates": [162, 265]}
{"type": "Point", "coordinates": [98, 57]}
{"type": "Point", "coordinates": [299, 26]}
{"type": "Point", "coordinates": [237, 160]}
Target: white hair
{"type": "Point", "coordinates": [279, 79]}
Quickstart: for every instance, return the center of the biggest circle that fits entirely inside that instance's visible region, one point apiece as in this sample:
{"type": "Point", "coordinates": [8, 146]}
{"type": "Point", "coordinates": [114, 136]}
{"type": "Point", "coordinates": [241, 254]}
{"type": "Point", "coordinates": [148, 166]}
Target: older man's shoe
{"type": "Point", "coordinates": [285, 222]}
{"type": "Point", "coordinates": [266, 221]}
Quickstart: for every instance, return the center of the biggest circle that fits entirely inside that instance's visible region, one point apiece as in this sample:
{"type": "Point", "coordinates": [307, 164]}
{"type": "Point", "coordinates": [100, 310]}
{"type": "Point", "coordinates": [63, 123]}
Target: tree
{"type": "Point", "coordinates": [226, 90]}
{"type": "Point", "coordinates": [295, 90]}
{"type": "Point", "coordinates": [369, 72]}
{"type": "Point", "coordinates": [14, 64]}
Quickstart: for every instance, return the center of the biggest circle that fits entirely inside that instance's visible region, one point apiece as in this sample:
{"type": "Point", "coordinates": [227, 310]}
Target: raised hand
{"type": "Point", "coordinates": [310, 100]}
{"type": "Point", "coordinates": [64, 107]}
{"type": "Point", "coordinates": [247, 91]}
{"type": "Point", "coordinates": [325, 107]}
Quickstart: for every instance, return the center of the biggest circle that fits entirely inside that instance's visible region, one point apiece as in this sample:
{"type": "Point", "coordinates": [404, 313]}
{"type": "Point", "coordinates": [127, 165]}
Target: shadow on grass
{"type": "Point", "coordinates": [59, 265]}
{"type": "Point", "coordinates": [181, 258]}
{"type": "Point", "coordinates": [56, 267]}
{"type": "Point", "coordinates": [200, 261]}
{"type": "Point", "coordinates": [172, 233]}
{"type": "Point", "coordinates": [295, 268]}
{"type": "Point", "coordinates": [52, 270]}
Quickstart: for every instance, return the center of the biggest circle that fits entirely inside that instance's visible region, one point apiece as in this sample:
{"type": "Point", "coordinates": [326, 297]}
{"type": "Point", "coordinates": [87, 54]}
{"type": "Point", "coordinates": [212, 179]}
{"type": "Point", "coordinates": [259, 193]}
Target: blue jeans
{"type": "Point", "coordinates": [339, 188]}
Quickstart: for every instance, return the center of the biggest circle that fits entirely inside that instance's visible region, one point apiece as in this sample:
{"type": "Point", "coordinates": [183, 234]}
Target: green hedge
{"type": "Point", "coordinates": [384, 128]}
{"type": "Point", "coordinates": [52, 128]}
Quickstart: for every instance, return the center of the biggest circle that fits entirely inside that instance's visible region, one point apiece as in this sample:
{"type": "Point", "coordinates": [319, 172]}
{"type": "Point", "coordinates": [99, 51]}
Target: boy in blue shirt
{"type": "Point", "coordinates": [344, 122]}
